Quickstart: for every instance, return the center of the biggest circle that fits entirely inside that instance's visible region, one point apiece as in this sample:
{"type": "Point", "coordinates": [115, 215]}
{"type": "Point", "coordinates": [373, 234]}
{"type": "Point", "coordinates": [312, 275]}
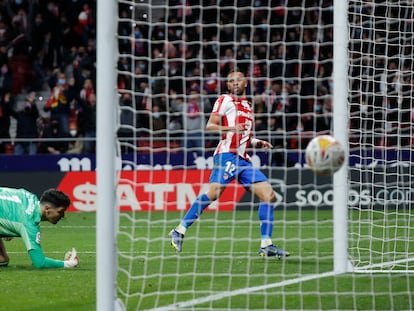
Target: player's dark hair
{"type": "Point", "coordinates": [234, 69]}
{"type": "Point", "coordinates": [55, 197]}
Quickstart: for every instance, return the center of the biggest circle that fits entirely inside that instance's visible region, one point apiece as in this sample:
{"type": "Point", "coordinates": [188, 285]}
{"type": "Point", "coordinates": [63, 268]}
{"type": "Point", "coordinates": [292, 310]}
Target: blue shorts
{"type": "Point", "coordinates": [229, 166]}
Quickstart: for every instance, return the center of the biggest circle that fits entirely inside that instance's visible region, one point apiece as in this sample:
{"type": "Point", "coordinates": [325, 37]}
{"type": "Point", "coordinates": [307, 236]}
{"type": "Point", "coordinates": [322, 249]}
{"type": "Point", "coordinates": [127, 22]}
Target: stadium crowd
{"type": "Point", "coordinates": [179, 63]}
{"type": "Point", "coordinates": [47, 48]}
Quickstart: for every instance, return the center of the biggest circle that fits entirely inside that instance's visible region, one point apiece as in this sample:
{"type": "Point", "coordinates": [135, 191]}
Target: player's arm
{"type": "Point", "coordinates": [214, 125]}
{"type": "Point", "coordinates": [40, 261]}
{"type": "Point", "coordinates": [258, 143]}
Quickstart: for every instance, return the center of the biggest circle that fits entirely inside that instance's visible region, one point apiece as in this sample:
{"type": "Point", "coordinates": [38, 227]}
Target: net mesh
{"type": "Point", "coordinates": [380, 88]}
{"type": "Point", "coordinates": [172, 53]}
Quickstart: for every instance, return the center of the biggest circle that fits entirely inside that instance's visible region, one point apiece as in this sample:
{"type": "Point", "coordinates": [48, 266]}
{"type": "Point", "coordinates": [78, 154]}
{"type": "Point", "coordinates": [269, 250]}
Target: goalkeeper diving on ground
{"type": "Point", "coordinates": [233, 117]}
{"type": "Point", "coordinates": [20, 215]}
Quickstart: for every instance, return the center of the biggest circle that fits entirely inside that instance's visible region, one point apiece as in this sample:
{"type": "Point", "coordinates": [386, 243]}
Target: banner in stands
{"type": "Point", "coordinates": [174, 190]}
{"type": "Point", "coordinates": [161, 190]}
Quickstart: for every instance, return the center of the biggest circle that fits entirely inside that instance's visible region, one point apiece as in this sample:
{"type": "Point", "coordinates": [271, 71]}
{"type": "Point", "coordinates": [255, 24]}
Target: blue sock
{"type": "Point", "coordinates": [266, 219]}
{"type": "Point", "coordinates": [196, 209]}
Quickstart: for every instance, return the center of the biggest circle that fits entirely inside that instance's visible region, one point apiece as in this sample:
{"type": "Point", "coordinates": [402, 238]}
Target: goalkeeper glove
{"type": "Point", "coordinates": [71, 259]}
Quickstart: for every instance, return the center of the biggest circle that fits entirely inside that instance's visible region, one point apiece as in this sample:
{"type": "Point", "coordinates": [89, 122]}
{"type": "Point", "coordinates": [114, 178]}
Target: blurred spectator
{"type": "Point", "coordinates": [6, 79]}
{"type": "Point", "coordinates": [39, 35]}
{"type": "Point", "coordinates": [128, 122]}
{"type": "Point", "coordinates": [278, 128]}
{"type": "Point", "coordinates": [274, 99]}
{"type": "Point", "coordinates": [192, 120]}
{"type": "Point", "coordinates": [87, 89]}
{"type": "Point", "coordinates": [260, 111]}
{"type": "Point", "coordinates": [55, 140]}
{"type": "Point", "coordinates": [26, 119]}
{"type": "Point", "coordinates": [175, 118]}
{"type": "Point", "coordinates": [4, 57]}
{"type": "Point", "coordinates": [83, 65]}
{"type": "Point", "coordinates": [5, 113]}
{"type": "Point", "coordinates": [5, 35]}
{"type": "Point", "coordinates": [75, 146]}
{"type": "Point", "coordinates": [85, 24]}
{"type": "Point", "coordinates": [158, 126]}
{"type": "Point", "coordinates": [60, 100]}
{"type": "Point", "coordinates": [87, 121]}
{"type": "Point", "coordinates": [56, 27]}
{"type": "Point", "coordinates": [143, 104]}
{"type": "Point", "coordinates": [20, 22]}
{"type": "Point", "coordinates": [327, 108]}
{"type": "Point", "coordinates": [124, 80]}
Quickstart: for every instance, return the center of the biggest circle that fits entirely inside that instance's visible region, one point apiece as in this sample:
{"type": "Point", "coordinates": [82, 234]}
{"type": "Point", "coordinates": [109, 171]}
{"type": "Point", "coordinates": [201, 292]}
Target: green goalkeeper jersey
{"type": "Point", "coordinates": [20, 216]}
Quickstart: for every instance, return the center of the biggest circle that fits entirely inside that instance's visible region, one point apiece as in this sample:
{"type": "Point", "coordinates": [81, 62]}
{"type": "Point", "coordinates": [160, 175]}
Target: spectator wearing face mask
{"type": "Point", "coordinates": [75, 146]}
{"type": "Point", "coordinates": [26, 119]}
{"type": "Point", "coordinates": [60, 100]}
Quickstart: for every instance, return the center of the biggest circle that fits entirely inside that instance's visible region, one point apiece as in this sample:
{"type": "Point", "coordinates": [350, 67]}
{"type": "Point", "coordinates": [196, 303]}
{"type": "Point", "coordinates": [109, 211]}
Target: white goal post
{"type": "Point", "coordinates": [340, 180]}
{"type": "Point", "coordinates": [106, 179]}
{"type": "Point", "coordinates": [315, 66]}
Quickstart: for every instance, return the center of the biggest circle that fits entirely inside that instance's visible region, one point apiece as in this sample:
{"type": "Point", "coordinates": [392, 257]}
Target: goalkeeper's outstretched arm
{"type": "Point", "coordinates": [40, 261]}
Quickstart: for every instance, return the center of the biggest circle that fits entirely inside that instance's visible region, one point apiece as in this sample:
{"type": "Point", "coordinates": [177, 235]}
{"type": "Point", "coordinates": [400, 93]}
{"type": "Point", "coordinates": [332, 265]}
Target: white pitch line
{"type": "Point", "coordinates": [242, 291]}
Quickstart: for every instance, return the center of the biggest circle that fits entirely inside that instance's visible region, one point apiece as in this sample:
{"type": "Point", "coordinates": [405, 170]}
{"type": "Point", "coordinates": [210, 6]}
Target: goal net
{"type": "Point", "coordinates": [381, 135]}
{"type": "Point", "coordinates": [173, 59]}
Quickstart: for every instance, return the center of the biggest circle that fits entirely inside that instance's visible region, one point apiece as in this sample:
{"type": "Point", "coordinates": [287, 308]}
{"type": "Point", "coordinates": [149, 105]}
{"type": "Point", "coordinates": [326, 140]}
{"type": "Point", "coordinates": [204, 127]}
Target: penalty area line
{"type": "Point", "coordinates": [242, 291]}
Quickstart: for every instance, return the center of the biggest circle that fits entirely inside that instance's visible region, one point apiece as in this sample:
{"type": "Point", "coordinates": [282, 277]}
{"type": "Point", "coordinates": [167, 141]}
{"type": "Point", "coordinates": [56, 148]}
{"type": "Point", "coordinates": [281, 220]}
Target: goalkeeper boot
{"type": "Point", "coordinates": [176, 240]}
{"type": "Point", "coordinates": [273, 251]}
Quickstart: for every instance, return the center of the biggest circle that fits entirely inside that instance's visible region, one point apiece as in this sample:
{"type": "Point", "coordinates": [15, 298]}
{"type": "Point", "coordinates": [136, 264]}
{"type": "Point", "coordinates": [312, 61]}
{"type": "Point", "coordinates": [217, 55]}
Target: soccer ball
{"type": "Point", "coordinates": [324, 155]}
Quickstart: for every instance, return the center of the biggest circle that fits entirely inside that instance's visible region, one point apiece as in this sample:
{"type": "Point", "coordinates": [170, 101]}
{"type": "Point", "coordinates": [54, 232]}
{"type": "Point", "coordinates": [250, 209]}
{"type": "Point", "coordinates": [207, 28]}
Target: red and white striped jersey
{"type": "Point", "coordinates": [234, 111]}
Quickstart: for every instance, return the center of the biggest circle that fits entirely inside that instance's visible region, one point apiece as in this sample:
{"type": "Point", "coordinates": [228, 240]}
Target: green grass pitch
{"type": "Point", "coordinates": [224, 257]}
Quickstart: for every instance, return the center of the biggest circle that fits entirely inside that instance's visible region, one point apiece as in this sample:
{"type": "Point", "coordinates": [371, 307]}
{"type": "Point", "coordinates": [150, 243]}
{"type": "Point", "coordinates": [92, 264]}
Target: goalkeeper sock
{"type": "Point", "coordinates": [266, 219]}
{"type": "Point", "coordinates": [196, 209]}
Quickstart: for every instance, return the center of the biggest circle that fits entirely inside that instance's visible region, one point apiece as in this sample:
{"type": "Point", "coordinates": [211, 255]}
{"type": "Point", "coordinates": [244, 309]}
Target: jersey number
{"type": "Point", "coordinates": [230, 168]}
